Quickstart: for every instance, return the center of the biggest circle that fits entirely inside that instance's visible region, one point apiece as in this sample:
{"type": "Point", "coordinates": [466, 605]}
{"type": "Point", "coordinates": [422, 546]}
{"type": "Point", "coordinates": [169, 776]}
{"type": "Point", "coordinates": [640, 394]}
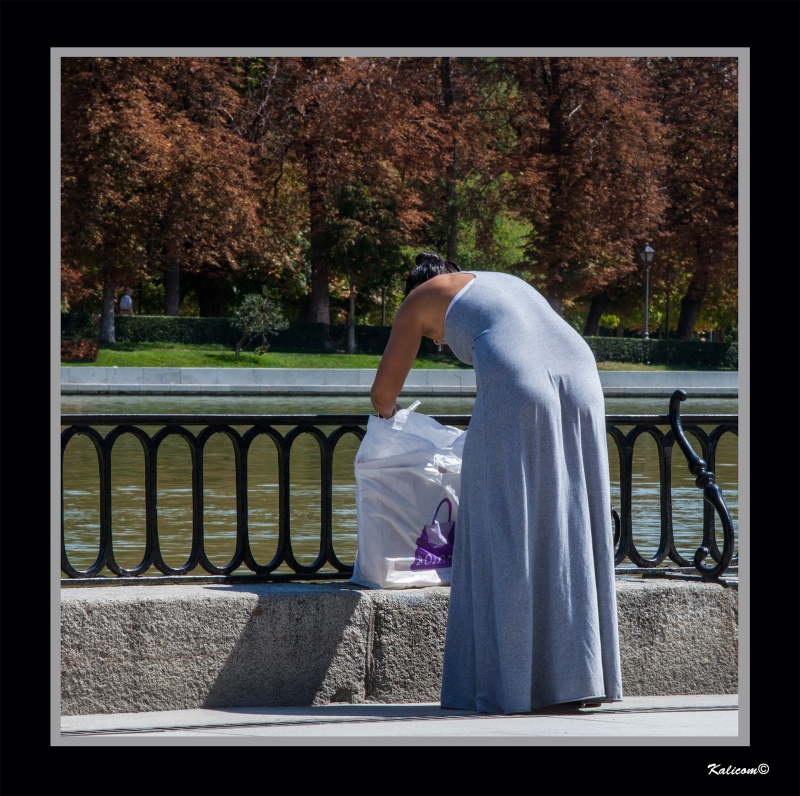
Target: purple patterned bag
{"type": "Point", "coordinates": [435, 543]}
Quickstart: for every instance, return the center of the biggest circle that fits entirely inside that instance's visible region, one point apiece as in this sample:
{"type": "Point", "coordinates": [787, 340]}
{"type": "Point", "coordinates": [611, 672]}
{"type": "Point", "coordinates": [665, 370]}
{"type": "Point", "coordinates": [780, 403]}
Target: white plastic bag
{"type": "Point", "coordinates": [408, 469]}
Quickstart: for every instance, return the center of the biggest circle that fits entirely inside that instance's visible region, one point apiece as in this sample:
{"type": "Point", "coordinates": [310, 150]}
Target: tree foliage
{"type": "Point", "coordinates": [258, 316]}
{"type": "Point", "coordinates": [698, 98]}
{"type": "Point", "coordinates": [312, 176]}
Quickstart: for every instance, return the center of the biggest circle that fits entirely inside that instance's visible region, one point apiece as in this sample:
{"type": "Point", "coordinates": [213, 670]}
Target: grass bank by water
{"type": "Point", "coordinates": [166, 355]}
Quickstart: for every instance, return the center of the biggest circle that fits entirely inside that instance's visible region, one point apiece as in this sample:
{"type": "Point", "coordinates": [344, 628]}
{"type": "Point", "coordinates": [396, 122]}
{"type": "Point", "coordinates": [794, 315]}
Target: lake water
{"type": "Point", "coordinates": [81, 481]}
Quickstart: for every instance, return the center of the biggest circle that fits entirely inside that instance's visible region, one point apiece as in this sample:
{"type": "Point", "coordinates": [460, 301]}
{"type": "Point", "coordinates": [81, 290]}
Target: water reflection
{"type": "Point", "coordinates": [174, 496]}
{"type": "Point", "coordinates": [81, 480]}
{"type": "Point", "coordinates": [262, 498]}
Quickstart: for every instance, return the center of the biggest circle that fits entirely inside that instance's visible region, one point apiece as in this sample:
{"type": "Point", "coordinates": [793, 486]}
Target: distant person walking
{"type": "Point", "coordinates": [126, 302]}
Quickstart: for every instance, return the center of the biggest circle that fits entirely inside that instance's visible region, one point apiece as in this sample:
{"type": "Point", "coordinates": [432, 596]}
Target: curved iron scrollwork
{"type": "Point", "coordinates": [712, 495]}
{"type": "Point", "coordinates": [241, 443]}
{"type": "Point", "coordinates": [263, 425]}
{"type": "Point", "coordinates": [648, 425]}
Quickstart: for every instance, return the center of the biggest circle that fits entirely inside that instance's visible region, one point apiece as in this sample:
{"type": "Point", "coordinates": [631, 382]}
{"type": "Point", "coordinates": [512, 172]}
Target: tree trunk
{"type": "Point", "coordinates": [690, 306]}
{"type": "Point", "coordinates": [319, 306]}
{"type": "Point", "coordinates": [211, 298]}
{"type": "Point", "coordinates": [620, 331]}
{"type": "Point", "coordinates": [452, 210]}
{"type": "Point", "coordinates": [383, 306]}
{"type": "Point", "coordinates": [108, 332]}
{"type": "Point", "coordinates": [452, 207]}
{"type": "Point", "coordinates": [555, 286]}
{"type": "Point", "coordinates": [593, 320]}
{"type": "Point", "coordinates": [554, 291]}
{"type": "Point", "coordinates": [351, 328]}
{"type": "Point", "coordinates": [557, 304]}
{"type": "Point", "coordinates": [172, 281]}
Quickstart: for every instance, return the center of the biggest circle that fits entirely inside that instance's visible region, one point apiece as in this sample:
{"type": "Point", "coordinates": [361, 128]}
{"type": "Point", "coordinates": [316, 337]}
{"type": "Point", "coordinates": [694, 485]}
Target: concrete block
{"type": "Point", "coordinates": [200, 375]}
{"type": "Point", "coordinates": [613, 378]}
{"type": "Point", "coordinates": [699, 378]}
{"type": "Point", "coordinates": [355, 381]}
{"type": "Point", "coordinates": [269, 376]}
{"type": "Point", "coordinates": [178, 647]}
{"type": "Point", "coordinates": [304, 376]}
{"type": "Point", "coordinates": [237, 377]}
{"type": "Point", "coordinates": [342, 377]}
{"type": "Point", "coordinates": [126, 375]}
{"type": "Point", "coordinates": [88, 375]}
{"type": "Point", "coordinates": [85, 389]}
{"type": "Point", "coordinates": [666, 381]}
{"type": "Point", "coordinates": [408, 645]}
{"type": "Point", "coordinates": [162, 376]}
{"type": "Point", "coordinates": [445, 378]}
{"type": "Point", "coordinates": [416, 378]}
{"type": "Point", "coordinates": [366, 376]}
{"type": "Point", "coordinates": [678, 638]}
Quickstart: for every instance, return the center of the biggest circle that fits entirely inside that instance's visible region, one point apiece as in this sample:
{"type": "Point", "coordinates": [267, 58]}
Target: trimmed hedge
{"type": "Point", "coordinates": [664, 352]}
{"type": "Point", "coordinates": [302, 336]}
{"type": "Point", "coordinates": [174, 329]}
{"type": "Point", "coordinates": [79, 324]}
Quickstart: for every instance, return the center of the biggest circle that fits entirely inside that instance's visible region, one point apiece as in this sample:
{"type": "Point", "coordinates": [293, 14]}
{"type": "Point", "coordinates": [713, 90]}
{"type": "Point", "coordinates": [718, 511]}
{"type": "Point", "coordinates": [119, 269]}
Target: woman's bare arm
{"type": "Point", "coordinates": [397, 359]}
{"type": "Point", "coordinates": [420, 315]}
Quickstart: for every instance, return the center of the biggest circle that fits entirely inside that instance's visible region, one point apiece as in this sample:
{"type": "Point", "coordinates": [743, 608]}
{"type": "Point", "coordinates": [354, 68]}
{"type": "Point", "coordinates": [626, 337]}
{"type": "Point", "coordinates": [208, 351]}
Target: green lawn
{"type": "Point", "coordinates": [166, 355]}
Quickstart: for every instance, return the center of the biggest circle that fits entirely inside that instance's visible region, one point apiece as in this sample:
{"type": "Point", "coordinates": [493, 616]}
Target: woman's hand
{"type": "Point", "coordinates": [392, 414]}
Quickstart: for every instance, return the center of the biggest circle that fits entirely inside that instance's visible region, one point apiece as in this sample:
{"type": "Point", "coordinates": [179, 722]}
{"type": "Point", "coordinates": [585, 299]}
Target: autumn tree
{"type": "Point", "coordinates": [461, 200]}
{"type": "Point", "coordinates": [698, 98]}
{"type": "Point", "coordinates": [211, 217]}
{"type": "Point", "coordinates": [157, 178]}
{"type": "Point", "coordinates": [587, 167]}
{"type": "Point", "coordinates": [113, 160]}
{"type": "Point", "coordinates": [308, 173]}
{"type": "Point", "coordinates": [327, 121]}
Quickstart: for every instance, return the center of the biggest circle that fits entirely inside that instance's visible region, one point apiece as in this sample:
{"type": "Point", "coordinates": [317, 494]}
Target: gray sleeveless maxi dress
{"type": "Point", "coordinates": [533, 614]}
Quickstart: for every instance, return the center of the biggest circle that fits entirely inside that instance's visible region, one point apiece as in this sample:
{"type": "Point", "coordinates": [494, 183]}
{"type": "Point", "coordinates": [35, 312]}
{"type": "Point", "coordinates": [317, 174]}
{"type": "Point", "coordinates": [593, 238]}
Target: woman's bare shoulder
{"type": "Point", "coordinates": [441, 286]}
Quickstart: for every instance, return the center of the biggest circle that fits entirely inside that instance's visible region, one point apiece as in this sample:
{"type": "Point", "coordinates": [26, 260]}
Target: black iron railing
{"type": "Point", "coordinates": [356, 424]}
{"type": "Point", "coordinates": [713, 503]}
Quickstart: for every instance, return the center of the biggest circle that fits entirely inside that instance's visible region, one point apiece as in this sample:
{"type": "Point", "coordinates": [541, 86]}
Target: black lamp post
{"type": "Point", "coordinates": [646, 255]}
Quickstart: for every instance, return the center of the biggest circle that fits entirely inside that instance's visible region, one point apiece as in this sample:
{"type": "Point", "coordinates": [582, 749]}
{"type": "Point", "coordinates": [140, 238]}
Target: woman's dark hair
{"type": "Point", "coordinates": [428, 266]}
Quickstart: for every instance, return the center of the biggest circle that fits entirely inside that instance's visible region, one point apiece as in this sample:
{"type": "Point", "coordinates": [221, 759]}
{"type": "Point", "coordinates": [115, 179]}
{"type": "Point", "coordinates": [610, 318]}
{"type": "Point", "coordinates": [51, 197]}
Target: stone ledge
{"type": "Point", "coordinates": [178, 647]}
{"type": "Point", "coordinates": [352, 381]}
{"type": "Point", "coordinates": [259, 389]}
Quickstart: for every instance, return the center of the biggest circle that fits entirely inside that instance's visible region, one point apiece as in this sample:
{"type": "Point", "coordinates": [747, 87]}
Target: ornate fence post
{"type": "Point", "coordinates": [711, 492]}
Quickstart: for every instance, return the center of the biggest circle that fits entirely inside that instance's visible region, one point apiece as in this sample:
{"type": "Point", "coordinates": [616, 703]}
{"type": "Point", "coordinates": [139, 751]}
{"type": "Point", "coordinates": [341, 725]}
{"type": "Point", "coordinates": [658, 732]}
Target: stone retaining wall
{"type": "Point", "coordinates": [86, 380]}
{"type": "Point", "coordinates": [143, 648]}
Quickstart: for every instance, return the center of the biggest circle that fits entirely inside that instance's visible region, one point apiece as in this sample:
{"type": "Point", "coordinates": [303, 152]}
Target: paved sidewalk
{"type": "Point", "coordinates": [706, 715]}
